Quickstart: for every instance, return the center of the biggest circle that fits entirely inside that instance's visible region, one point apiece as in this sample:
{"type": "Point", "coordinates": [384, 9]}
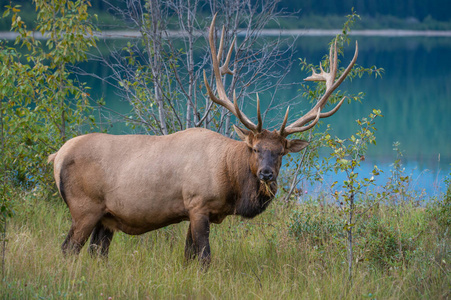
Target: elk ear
{"type": "Point", "coordinates": [295, 145]}
{"type": "Point", "coordinates": [244, 134]}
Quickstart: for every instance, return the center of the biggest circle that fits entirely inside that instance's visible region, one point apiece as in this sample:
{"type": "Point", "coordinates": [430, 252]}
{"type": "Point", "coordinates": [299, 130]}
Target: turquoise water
{"type": "Point", "coordinates": [414, 96]}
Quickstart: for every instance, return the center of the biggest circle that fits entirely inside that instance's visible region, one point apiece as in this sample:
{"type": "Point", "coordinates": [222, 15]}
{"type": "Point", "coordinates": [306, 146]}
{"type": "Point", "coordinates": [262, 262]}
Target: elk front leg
{"type": "Point", "coordinates": [190, 251]}
{"type": "Point", "coordinates": [199, 239]}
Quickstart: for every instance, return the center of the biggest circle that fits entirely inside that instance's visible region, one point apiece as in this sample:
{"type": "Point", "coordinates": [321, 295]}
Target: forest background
{"type": "Point", "coordinates": [321, 14]}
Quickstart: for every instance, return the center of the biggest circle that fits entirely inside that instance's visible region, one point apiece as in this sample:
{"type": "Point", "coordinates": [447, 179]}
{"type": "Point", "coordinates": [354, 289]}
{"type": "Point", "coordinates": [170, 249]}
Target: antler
{"type": "Point", "coordinates": [222, 98]}
{"type": "Point", "coordinates": [315, 113]}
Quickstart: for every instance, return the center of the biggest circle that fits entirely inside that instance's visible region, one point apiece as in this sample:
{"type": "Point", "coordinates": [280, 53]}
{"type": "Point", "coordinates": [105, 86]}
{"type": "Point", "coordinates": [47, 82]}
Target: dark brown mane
{"type": "Point", "coordinates": [255, 198]}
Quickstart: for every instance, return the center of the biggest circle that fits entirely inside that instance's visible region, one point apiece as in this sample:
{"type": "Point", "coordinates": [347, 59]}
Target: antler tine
{"type": "Point", "coordinates": [285, 119]}
{"type": "Point", "coordinates": [259, 116]}
{"type": "Point", "coordinates": [223, 100]}
{"type": "Point", "coordinates": [225, 67]}
{"type": "Point", "coordinates": [315, 119]}
{"type": "Point", "coordinates": [307, 127]}
{"type": "Point", "coordinates": [331, 85]}
{"type": "Point", "coordinates": [333, 61]}
{"type": "Point", "coordinates": [210, 92]}
{"type": "Point", "coordinates": [332, 111]}
{"type": "Point", "coordinates": [221, 43]}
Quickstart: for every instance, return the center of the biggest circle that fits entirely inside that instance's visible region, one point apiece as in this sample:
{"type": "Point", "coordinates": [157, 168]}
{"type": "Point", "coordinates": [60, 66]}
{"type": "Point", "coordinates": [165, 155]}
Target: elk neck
{"type": "Point", "coordinates": [249, 195]}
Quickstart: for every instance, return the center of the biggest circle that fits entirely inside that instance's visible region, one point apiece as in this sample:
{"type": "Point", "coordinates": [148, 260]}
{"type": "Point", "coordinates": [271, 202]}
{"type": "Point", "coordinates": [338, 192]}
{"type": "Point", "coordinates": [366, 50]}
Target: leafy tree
{"type": "Point", "coordinates": [42, 105]}
{"type": "Point", "coordinates": [348, 154]}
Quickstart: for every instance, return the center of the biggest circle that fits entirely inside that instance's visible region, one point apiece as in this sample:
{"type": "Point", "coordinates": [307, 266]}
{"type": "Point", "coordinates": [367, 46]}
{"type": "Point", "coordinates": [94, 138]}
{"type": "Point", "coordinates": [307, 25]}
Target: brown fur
{"type": "Point", "coordinates": [136, 184]}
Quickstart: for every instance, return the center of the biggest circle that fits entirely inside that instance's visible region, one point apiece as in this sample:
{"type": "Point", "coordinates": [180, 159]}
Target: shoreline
{"type": "Point", "coordinates": [127, 34]}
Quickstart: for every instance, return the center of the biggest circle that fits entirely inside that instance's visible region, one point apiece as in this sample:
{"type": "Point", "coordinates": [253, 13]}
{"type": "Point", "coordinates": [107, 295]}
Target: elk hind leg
{"type": "Point", "coordinates": [100, 240]}
{"type": "Point", "coordinates": [82, 226]}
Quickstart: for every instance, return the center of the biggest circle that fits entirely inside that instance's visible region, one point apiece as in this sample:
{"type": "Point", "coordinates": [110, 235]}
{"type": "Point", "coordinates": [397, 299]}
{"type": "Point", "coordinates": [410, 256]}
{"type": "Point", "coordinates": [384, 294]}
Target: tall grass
{"type": "Point", "coordinates": [263, 258]}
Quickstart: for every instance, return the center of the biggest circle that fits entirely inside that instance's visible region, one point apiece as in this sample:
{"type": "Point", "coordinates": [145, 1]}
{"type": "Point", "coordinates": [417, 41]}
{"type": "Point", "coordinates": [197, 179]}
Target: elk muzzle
{"type": "Point", "coordinates": [268, 166]}
{"type": "Point", "coordinates": [265, 174]}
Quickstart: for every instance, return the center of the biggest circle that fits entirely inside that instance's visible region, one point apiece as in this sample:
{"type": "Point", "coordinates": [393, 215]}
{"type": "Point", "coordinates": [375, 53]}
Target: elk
{"type": "Point", "coordinates": [139, 183]}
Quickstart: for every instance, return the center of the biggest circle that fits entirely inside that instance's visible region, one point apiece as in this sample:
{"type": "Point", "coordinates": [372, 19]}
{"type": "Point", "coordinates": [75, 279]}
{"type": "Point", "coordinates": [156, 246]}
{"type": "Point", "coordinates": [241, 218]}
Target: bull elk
{"type": "Point", "coordinates": [139, 183]}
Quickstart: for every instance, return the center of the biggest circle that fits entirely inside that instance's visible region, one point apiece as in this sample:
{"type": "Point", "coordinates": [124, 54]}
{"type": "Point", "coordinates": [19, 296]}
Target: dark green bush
{"type": "Point", "coordinates": [383, 245]}
{"type": "Point", "coordinates": [440, 210]}
{"type": "Point", "coordinates": [377, 241]}
{"type": "Point", "coordinates": [444, 214]}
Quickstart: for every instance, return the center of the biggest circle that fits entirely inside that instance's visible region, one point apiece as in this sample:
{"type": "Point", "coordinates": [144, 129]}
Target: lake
{"type": "Point", "coordinates": [414, 95]}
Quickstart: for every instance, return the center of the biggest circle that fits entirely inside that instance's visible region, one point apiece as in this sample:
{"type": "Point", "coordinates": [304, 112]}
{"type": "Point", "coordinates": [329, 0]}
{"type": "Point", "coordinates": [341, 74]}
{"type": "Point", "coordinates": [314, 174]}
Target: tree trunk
{"type": "Point", "coordinates": [350, 226]}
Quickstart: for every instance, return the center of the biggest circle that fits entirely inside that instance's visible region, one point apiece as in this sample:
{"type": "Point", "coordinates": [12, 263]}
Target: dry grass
{"type": "Point", "coordinates": [257, 259]}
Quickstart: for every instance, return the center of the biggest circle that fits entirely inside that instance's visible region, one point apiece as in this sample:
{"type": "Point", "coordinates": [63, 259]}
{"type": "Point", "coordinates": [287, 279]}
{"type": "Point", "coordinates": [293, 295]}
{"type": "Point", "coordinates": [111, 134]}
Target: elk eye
{"type": "Point", "coordinates": [255, 150]}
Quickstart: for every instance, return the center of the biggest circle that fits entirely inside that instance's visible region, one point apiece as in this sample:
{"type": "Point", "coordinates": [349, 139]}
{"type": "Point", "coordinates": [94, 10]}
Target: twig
{"type": "Point", "coordinates": [3, 203]}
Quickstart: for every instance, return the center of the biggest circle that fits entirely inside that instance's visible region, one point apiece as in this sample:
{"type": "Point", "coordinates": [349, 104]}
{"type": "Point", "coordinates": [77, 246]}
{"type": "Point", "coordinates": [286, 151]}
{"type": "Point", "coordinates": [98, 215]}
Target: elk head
{"type": "Point", "coordinates": [267, 148]}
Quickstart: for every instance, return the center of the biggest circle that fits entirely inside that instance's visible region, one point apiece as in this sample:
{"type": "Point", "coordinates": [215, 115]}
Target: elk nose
{"type": "Point", "coordinates": [265, 175]}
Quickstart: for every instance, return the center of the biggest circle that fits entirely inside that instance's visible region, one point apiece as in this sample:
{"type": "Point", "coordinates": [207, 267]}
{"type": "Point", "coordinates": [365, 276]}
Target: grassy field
{"type": "Point", "coordinates": [289, 252]}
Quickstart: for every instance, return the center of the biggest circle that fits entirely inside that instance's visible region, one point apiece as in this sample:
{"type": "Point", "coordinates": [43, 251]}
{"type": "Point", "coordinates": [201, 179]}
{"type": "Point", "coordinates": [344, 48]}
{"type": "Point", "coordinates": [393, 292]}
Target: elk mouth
{"type": "Point", "coordinates": [267, 181]}
{"type": "Point", "coordinates": [266, 187]}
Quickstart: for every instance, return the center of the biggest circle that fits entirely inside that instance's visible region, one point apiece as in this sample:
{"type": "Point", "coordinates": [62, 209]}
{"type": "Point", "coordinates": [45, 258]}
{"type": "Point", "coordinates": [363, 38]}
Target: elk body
{"type": "Point", "coordinates": [137, 183]}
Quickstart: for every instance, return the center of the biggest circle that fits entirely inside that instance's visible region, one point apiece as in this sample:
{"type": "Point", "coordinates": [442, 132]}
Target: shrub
{"type": "Point", "coordinates": [383, 245]}
{"type": "Point", "coordinates": [440, 210]}
{"type": "Point", "coordinates": [444, 212]}
{"type": "Point", "coordinates": [377, 241]}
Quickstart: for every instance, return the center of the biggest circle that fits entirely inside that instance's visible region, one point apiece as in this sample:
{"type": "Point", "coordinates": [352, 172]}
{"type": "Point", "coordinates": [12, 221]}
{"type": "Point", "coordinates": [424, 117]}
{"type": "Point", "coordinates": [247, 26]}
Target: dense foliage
{"type": "Point", "coordinates": [42, 105]}
{"type": "Point", "coordinates": [413, 14]}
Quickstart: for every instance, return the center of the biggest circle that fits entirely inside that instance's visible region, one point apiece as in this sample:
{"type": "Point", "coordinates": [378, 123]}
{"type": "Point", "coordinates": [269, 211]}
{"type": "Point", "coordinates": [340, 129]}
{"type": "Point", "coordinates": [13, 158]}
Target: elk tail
{"type": "Point", "coordinates": [51, 157]}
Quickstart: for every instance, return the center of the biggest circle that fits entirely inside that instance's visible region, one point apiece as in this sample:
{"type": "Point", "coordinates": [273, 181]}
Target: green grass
{"type": "Point", "coordinates": [264, 258]}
